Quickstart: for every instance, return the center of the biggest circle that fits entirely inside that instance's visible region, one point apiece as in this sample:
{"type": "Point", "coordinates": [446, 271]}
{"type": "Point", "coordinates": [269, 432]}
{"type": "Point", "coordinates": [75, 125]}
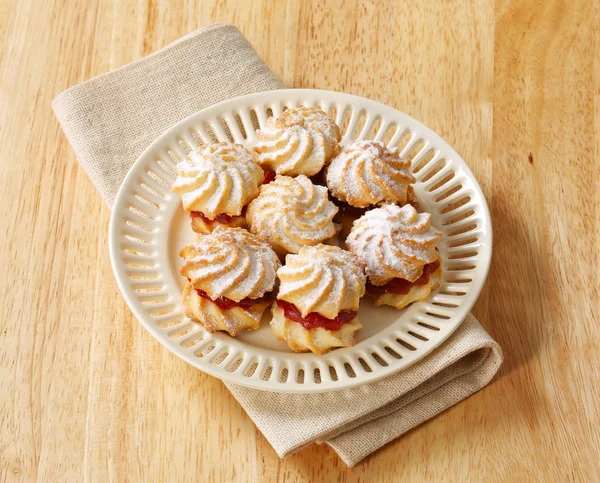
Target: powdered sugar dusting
{"type": "Point", "coordinates": [299, 141]}
{"type": "Point", "coordinates": [218, 178]}
{"type": "Point", "coordinates": [291, 213]}
{"type": "Point", "coordinates": [322, 279]}
{"type": "Point", "coordinates": [393, 242]}
{"type": "Point", "coordinates": [232, 263]}
{"type": "Point", "coordinates": [366, 173]}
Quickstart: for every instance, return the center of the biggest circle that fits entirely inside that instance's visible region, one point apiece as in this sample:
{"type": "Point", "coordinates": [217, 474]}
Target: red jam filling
{"type": "Point", "coordinates": [314, 320]}
{"type": "Point", "coordinates": [401, 286]}
{"type": "Point", "coordinates": [269, 176]}
{"type": "Point", "coordinates": [225, 304]}
{"type": "Point", "coordinates": [223, 218]}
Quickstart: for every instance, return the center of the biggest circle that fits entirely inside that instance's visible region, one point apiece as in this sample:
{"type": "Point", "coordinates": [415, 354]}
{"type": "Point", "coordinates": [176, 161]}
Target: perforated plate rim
{"type": "Point", "coordinates": [144, 208]}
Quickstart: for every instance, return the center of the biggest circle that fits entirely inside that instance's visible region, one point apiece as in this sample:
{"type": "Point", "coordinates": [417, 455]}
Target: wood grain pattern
{"type": "Point", "coordinates": [87, 394]}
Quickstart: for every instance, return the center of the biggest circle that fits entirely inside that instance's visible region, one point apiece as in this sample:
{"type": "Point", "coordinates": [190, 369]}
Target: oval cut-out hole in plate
{"type": "Point", "coordinates": [172, 156]}
{"type": "Point", "coordinates": [359, 125]}
{"type": "Point", "coordinates": [154, 223]}
{"type": "Point", "coordinates": [140, 264]}
{"type": "Point", "coordinates": [143, 276]}
{"type": "Point", "coordinates": [433, 170]}
{"type": "Point", "coordinates": [333, 111]}
{"type": "Point", "coordinates": [457, 280]}
{"type": "Point", "coordinates": [402, 141]}
{"type": "Point", "coordinates": [333, 373]}
{"type": "Point", "coordinates": [364, 365]}
{"type": "Point", "coordinates": [346, 116]}
{"type": "Point", "coordinates": [428, 326]}
{"type": "Point", "coordinates": [158, 179]}
{"type": "Point", "coordinates": [455, 205]}
{"type": "Point", "coordinates": [458, 218]}
{"type": "Point", "coordinates": [254, 119]}
{"type": "Point", "coordinates": [388, 134]}
{"type": "Point", "coordinates": [205, 351]}
{"type": "Point", "coordinates": [462, 241]}
{"type": "Point", "coordinates": [251, 369]}
{"type": "Point", "coordinates": [446, 179]}
{"type": "Point", "coordinates": [166, 168]}
{"type": "Point", "coordinates": [153, 206]}
{"type": "Point", "coordinates": [220, 358]}
{"type": "Point", "coordinates": [162, 311]}
{"type": "Point", "coordinates": [193, 341]}
{"type": "Point", "coordinates": [232, 367]}
{"type": "Point", "coordinates": [417, 336]}
{"type": "Point", "coordinates": [138, 226]}
{"type": "Point", "coordinates": [440, 304]}
{"type": "Point", "coordinates": [226, 130]}
{"type": "Point", "coordinates": [379, 359]}
{"type": "Point", "coordinates": [420, 144]}
{"type": "Point", "coordinates": [460, 268]}
{"type": "Point", "coordinates": [156, 299]}
{"type": "Point", "coordinates": [462, 255]}
{"type": "Point", "coordinates": [211, 133]}
{"type": "Point", "coordinates": [149, 288]}
{"type": "Point", "coordinates": [373, 128]}
{"type": "Point", "coordinates": [165, 324]}
{"type": "Point", "coordinates": [138, 252]}
{"type": "Point", "coordinates": [449, 192]}
{"type": "Point", "coordinates": [317, 376]}
{"type": "Point", "coordinates": [140, 213]}
{"type": "Point", "coordinates": [283, 377]}
{"type": "Point", "coordinates": [197, 138]}
{"type": "Point", "coordinates": [406, 345]}
{"type": "Point", "coordinates": [349, 370]}
{"type": "Point", "coordinates": [455, 293]}
{"type": "Point", "coordinates": [185, 330]}
{"type": "Point", "coordinates": [240, 125]}
{"type": "Point", "coordinates": [266, 375]}
{"type": "Point", "coordinates": [438, 316]}
{"type": "Point", "coordinates": [152, 191]}
{"type": "Point", "coordinates": [423, 161]}
{"type": "Point", "coordinates": [136, 239]}
{"type": "Point", "coordinates": [183, 145]}
{"type": "Point", "coordinates": [392, 352]}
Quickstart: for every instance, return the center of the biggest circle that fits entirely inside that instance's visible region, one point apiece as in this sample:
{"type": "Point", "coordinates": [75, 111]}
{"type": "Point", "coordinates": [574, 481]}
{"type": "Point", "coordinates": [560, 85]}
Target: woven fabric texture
{"type": "Point", "coordinates": [111, 119]}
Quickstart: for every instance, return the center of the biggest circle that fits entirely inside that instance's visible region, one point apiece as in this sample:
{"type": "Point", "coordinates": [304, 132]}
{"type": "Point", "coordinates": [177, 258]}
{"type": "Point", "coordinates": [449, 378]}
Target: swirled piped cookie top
{"type": "Point", "coordinates": [299, 141]}
{"type": "Point", "coordinates": [291, 213]}
{"type": "Point", "coordinates": [393, 242]}
{"type": "Point", "coordinates": [231, 263]}
{"type": "Point", "coordinates": [366, 173]}
{"type": "Point", "coordinates": [322, 279]}
{"type": "Point", "coordinates": [218, 178]}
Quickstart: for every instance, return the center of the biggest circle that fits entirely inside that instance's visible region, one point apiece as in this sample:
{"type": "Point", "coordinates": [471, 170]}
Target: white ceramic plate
{"type": "Point", "coordinates": [148, 227]}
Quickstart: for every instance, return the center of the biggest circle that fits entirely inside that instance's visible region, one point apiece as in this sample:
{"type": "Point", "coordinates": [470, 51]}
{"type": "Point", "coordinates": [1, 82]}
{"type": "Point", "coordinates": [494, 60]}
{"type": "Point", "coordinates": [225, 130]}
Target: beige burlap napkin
{"type": "Point", "coordinates": [111, 119]}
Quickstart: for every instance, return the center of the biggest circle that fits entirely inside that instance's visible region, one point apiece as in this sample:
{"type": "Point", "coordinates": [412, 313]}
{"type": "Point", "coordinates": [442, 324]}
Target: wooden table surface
{"type": "Point", "coordinates": [87, 394]}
